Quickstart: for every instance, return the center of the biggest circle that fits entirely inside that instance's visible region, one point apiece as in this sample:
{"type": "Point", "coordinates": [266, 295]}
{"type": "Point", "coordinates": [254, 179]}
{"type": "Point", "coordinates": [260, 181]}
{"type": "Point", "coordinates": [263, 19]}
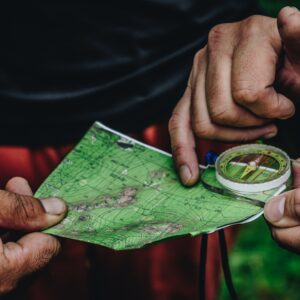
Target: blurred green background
{"type": "Point", "coordinates": [272, 7]}
{"type": "Point", "coordinates": [260, 268]}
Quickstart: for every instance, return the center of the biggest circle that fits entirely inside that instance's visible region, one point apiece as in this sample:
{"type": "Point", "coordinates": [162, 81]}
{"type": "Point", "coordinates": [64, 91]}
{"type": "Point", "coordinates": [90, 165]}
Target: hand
{"type": "Point", "coordinates": [283, 215]}
{"type": "Point", "coordinates": [230, 94]}
{"type": "Point", "coordinates": [289, 75]}
{"type": "Point", "coordinates": [20, 211]}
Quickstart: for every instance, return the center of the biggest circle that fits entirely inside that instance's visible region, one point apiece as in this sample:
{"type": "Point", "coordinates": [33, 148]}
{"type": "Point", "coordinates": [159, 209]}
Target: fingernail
{"type": "Point", "coordinates": [270, 135]}
{"type": "Point", "coordinates": [185, 174]}
{"type": "Point", "coordinates": [54, 206]}
{"type": "Point", "coordinates": [274, 210]}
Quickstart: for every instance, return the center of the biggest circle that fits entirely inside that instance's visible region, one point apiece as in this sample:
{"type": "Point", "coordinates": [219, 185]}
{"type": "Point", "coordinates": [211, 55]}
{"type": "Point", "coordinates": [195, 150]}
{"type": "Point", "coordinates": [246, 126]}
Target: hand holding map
{"type": "Point", "coordinates": [123, 194]}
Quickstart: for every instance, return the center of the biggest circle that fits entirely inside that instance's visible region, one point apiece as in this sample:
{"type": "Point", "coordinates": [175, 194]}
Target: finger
{"type": "Point", "coordinates": [19, 185]}
{"type": "Point", "coordinates": [29, 254]}
{"type": "Point", "coordinates": [296, 173]}
{"type": "Point", "coordinates": [288, 238]}
{"type": "Point", "coordinates": [183, 141]}
{"type": "Point", "coordinates": [21, 212]}
{"type": "Point", "coordinates": [222, 109]}
{"type": "Point", "coordinates": [288, 22]}
{"type": "Point", "coordinates": [289, 28]}
{"type": "Point", "coordinates": [202, 125]}
{"type": "Point", "coordinates": [253, 75]}
{"type": "Point", "coordinates": [283, 211]}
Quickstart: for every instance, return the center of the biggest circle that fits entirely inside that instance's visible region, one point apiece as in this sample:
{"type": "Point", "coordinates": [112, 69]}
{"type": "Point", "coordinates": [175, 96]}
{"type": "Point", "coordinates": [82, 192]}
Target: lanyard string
{"type": "Point", "coordinates": [225, 266]}
{"type": "Point", "coordinates": [202, 268]}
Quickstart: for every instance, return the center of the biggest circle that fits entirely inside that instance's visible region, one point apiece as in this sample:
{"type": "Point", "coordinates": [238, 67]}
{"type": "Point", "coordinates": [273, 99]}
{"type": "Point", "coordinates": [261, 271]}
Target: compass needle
{"type": "Point", "coordinates": [253, 168]}
{"type": "Point", "coordinates": [249, 169]}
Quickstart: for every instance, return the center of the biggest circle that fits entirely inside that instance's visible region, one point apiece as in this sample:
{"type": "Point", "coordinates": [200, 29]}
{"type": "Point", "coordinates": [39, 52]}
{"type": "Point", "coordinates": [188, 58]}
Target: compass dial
{"type": "Point", "coordinates": [253, 168]}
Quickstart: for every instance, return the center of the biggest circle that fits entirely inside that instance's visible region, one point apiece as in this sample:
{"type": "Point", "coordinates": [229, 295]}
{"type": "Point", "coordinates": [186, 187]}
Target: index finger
{"type": "Point", "coordinates": [30, 253]}
{"type": "Point", "coordinates": [183, 141]}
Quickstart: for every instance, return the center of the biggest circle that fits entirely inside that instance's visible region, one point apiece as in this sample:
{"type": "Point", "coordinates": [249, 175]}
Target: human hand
{"type": "Point", "coordinates": [230, 94]}
{"type": "Point", "coordinates": [283, 215]}
{"type": "Point", "coordinates": [289, 74]}
{"type": "Point", "coordinates": [20, 211]}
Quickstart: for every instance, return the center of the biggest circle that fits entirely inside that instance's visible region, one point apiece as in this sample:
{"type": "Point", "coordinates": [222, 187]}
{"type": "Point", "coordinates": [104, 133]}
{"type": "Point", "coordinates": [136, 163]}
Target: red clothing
{"type": "Point", "coordinates": [168, 270]}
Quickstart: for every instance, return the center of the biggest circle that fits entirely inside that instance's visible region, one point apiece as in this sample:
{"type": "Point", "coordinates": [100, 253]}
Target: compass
{"type": "Point", "coordinates": [253, 168]}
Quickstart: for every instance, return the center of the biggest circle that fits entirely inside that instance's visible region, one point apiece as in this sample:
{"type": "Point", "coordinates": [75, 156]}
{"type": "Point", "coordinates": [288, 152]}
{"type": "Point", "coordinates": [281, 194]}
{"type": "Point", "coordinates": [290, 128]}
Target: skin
{"type": "Point", "coordinates": [20, 211]}
{"type": "Point", "coordinates": [283, 215]}
{"type": "Point", "coordinates": [231, 96]}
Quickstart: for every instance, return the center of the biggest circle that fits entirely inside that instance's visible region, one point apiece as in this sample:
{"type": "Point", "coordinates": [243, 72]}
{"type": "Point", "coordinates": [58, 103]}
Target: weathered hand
{"type": "Point", "coordinates": [289, 74]}
{"type": "Point", "coordinates": [20, 211]}
{"type": "Point", "coordinates": [230, 94]}
{"type": "Point", "coordinates": [283, 215]}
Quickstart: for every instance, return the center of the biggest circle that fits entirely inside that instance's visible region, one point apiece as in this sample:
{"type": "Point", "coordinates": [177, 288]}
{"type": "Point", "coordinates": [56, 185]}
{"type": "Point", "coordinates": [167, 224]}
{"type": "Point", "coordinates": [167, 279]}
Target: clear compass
{"type": "Point", "coordinates": [250, 172]}
{"type": "Point", "coordinates": [253, 168]}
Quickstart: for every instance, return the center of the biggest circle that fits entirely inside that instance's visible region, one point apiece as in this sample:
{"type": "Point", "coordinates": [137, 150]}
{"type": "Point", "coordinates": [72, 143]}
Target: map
{"type": "Point", "coordinates": [123, 194]}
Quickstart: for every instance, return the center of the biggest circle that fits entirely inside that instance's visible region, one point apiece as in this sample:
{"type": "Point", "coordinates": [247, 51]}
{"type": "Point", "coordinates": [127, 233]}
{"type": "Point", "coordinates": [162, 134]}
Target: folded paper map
{"type": "Point", "coordinates": [123, 194]}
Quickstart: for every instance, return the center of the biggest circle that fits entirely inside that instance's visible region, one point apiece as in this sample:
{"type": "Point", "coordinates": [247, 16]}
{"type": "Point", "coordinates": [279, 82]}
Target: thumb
{"type": "Point", "coordinates": [288, 22]}
{"type": "Point", "coordinates": [283, 211]}
{"type": "Point", "coordinates": [22, 212]}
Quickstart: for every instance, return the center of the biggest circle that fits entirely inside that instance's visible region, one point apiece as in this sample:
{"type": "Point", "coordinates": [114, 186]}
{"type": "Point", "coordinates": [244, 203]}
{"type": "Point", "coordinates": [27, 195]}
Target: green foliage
{"type": "Point", "coordinates": [260, 268]}
{"type": "Point", "coordinates": [272, 7]}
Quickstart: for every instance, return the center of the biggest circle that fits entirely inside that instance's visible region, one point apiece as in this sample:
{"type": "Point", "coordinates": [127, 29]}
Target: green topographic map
{"type": "Point", "coordinates": [123, 194]}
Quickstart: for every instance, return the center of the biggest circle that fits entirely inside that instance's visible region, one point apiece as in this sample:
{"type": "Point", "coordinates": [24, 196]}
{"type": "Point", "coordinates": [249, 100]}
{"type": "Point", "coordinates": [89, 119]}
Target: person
{"type": "Point", "coordinates": [242, 81]}
{"type": "Point", "coordinates": [19, 211]}
{"type": "Point", "coordinates": [65, 65]}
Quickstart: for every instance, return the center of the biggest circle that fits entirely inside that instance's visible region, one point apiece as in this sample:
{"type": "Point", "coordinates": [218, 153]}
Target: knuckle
{"type": "Point", "coordinates": [224, 116]}
{"type": "Point", "coordinates": [198, 57]}
{"type": "Point", "coordinates": [44, 255]}
{"type": "Point", "coordinates": [23, 208]}
{"type": "Point", "coordinates": [284, 12]}
{"type": "Point", "coordinates": [244, 96]}
{"type": "Point", "coordinates": [203, 129]}
{"type": "Point", "coordinates": [20, 211]}
{"type": "Point", "coordinates": [215, 38]}
{"type": "Point", "coordinates": [289, 22]}
{"type": "Point", "coordinates": [179, 150]}
{"type": "Point", "coordinates": [174, 123]}
{"type": "Point", "coordinates": [251, 27]}
{"type": "Point", "coordinates": [217, 32]}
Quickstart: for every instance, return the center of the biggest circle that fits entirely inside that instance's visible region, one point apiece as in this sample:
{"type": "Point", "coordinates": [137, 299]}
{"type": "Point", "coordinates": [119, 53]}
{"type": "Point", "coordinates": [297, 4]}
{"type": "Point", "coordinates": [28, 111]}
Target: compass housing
{"type": "Point", "coordinates": [253, 168]}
